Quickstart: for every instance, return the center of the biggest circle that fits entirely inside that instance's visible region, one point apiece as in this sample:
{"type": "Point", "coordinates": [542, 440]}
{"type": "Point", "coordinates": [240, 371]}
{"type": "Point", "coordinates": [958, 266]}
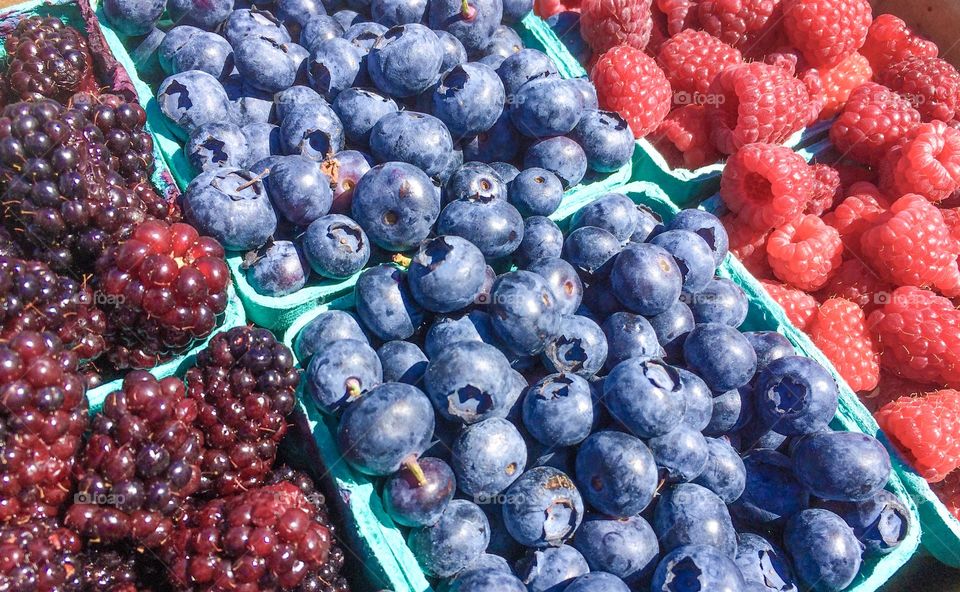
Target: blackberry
{"type": "Point", "coordinates": [62, 200]}
{"type": "Point", "coordinates": [121, 124]}
{"type": "Point", "coordinates": [39, 555]}
{"type": "Point", "coordinates": [120, 570]}
{"type": "Point", "coordinates": [245, 385]}
{"type": "Point", "coordinates": [8, 247]}
{"type": "Point", "coordinates": [163, 290]}
{"type": "Point", "coordinates": [47, 59]}
{"type": "Point", "coordinates": [42, 420]}
{"type": "Point", "coordinates": [140, 463]}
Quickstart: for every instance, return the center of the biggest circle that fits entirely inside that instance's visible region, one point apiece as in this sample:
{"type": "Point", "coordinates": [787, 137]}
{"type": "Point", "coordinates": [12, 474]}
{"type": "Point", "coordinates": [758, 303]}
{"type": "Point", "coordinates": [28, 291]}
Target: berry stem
{"type": "Point", "coordinates": [402, 260]}
{"type": "Point", "coordinates": [254, 180]}
{"type": "Point", "coordinates": [467, 11]}
{"type": "Point", "coordinates": [353, 388]}
{"type": "Point", "coordinates": [413, 466]}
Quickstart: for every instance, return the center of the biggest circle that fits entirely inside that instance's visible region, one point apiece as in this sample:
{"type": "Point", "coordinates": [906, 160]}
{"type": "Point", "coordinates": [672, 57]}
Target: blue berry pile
{"type": "Point", "coordinates": [326, 136]}
{"type": "Point", "coordinates": [596, 420]}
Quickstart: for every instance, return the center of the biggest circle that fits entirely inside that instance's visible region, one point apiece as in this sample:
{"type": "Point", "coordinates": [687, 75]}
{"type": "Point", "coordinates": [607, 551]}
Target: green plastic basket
{"type": "Point", "coordinates": [384, 540]}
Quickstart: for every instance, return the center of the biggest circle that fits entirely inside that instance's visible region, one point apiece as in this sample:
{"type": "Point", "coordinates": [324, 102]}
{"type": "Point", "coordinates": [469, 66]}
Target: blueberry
{"type": "Point", "coordinates": [416, 138]}
{"type": "Point", "coordinates": [772, 493]}
{"type": "Point", "coordinates": [672, 327]}
{"type": "Point", "coordinates": [606, 139]}
{"type": "Point", "coordinates": [796, 395]}
{"type": "Point", "coordinates": [281, 270]}
{"type": "Point", "coordinates": [486, 561]}
{"type": "Point", "coordinates": [551, 569]}
{"type": "Point", "coordinates": [295, 99]}
{"type": "Point", "coordinates": [541, 238]}
{"type": "Point", "coordinates": [472, 22]}
{"type": "Point", "coordinates": [761, 562]}
{"type": "Point", "coordinates": [694, 258]}
{"type": "Point", "coordinates": [546, 107]}
{"type": "Point", "coordinates": [647, 280]}
{"type": "Point", "coordinates": [500, 142]}
{"type": "Point", "coordinates": [453, 52]}
{"type": "Point", "coordinates": [336, 246]}
{"type": "Point", "coordinates": [446, 274]}
{"type": "Point", "coordinates": [319, 28]}
{"type": "Point", "coordinates": [731, 411]}
{"type": "Point", "coordinates": [454, 161]}
{"type": "Point", "coordinates": [627, 547]}
{"type": "Point", "coordinates": [505, 170]}
{"type": "Point", "coordinates": [298, 190]}
{"type": "Point", "coordinates": [405, 60]}
{"type": "Point", "coordinates": [265, 63]}
{"type": "Point", "coordinates": [133, 17]}
{"type": "Point", "coordinates": [524, 311]}
{"type": "Point", "coordinates": [418, 494]}
{"type": "Point", "coordinates": [649, 225]}
{"type": "Point", "coordinates": [504, 43]}
{"type": "Point", "coordinates": [580, 348]}
{"type": "Point", "coordinates": [454, 542]}
{"type": "Point", "coordinates": [360, 109]}
{"type": "Point", "coordinates": [598, 581]}
{"type": "Point", "coordinates": [487, 580]}
{"type": "Point", "coordinates": [587, 91]}
{"type": "Point", "coordinates": [335, 65]}
{"type": "Point", "coordinates": [721, 301]}
{"type": "Point", "coordinates": [681, 453]}
{"type": "Point", "coordinates": [697, 567]}
{"type": "Point", "coordinates": [543, 508]}
{"type": "Point", "coordinates": [591, 250]}
{"type": "Point", "coordinates": [614, 212]}
{"type": "Point", "coordinates": [445, 331]}
{"type": "Point", "coordinates": [757, 435]}
{"type": "Point", "coordinates": [524, 66]}
{"type": "Point", "coordinates": [324, 329]}
{"type": "Point", "coordinates": [262, 139]}
{"type": "Point", "coordinates": [251, 22]}
{"type": "Point", "coordinates": [494, 226]}
{"type": "Point", "coordinates": [396, 204]}
{"type": "Point", "coordinates": [172, 41]}
{"type": "Point", "coordinates": [707, 226]}
{"type": "Point", "coordinates": [469, 381]}
{"type": "Point", "coordinates": [769, 346]}
{"type": "Point", "coordinates": [341, 372]}
{"type": "Point", "coordinates": [825, 551]}
{"type": "Point", "coordinates": [881, 522]}
{"type": "Point", "coordinates": [199, 13]}
{"type": "Point", "coordinates": [721, 355]}
{"type": "Point", "coordinates": [215, 145]}
{"type": "Point", "coordinates": [842, 466]}
{"type": "Point", "coordinates": [295, 14]}
{"type": "Point", "coordinates": [474, 180]}
{"type": "Point", "coordinates": [629, 336]}
{"type": "Point", "coordinates": [313, 130]}
{"type": "Point", "coordinates": [355, 29]}
{"type": "Point", "coordinates": [560, 155]}
{"type": "Point", "coordinates": [345, 169]}
{"type": "Point", "coordinates": [558, 410]}
{"type": "Point", "coordinates": [690, 514]}
{"type": "Point", "coordinates": [536, 192]}
{"type": "Point", "coordinates": [563, 280]}
{"type": "Point", "coordinates": [385, 305]}
{"type": "Point", "coordinates": [645, 396]}
{"type": "Point", "coordinates": [698, 398]}
{"type": "Point", "coordinates": [487, 457]}
{"type": "Point", "coordinates": [469, 99]}
{"type": "Point", "coordinates": [599, 299]}
{"type": "Point", "coordinates": [207, 52]}
{"type": "Point", "coordinates": [616, 473]}
{"type": "Point", "coordinates": [232, 206]}
{"type": "Point", "coordinates": [191, 99]}
{"type": "Point", "coordinates": [724, 473]}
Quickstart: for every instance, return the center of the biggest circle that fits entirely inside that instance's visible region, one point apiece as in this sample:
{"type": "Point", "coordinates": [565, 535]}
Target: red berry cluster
{"type": "Point", "coordinates": [47, 59]}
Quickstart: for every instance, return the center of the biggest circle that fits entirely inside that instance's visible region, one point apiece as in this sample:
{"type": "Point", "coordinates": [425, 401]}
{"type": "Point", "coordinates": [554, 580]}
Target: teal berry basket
{"type": "Point", "coordinates": [383, 540]}
{"type": "Point", "coordinates": [277, 312]}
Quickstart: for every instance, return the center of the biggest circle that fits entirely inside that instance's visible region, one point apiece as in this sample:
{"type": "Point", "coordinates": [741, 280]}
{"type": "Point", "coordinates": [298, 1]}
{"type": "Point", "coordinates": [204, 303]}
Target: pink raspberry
{"type": "Point", "coordinates": [605, 24]}
{"type": "Point", "coordinates": [691, 60]}
{"type": "Point", "coordinates": [857, 283]}
{"type": "Point", "coordinates": [854, 216]}
{"type": "Point", "coordinates": [932, 85]}
{"type": "Point", "coordinates": [826, 189]}
{"type": "Point", "coordinates": [841, 80]}
{"type": "Point", "coordinates": [873, 120]}
{"type": "Point", "coordinates": [801, 308]}
{"type": "Point", "coordinates": [629, 82]}
{"type": "Point", "coordinates": [805, 253]}
{"type": "Point", "coordinates": [751, 26]}
{"type": "Point", "coordinates": [748, 245]}
{"type": "Point", "coordinates": [825, 31]}
{"type": "Point", "coordinates": [925, 161]}
{"type": "Point", "coordinates": [840, 331]}
{"type": "Point", "coordinates": [680, 14]}
{"type": "Point", "coordinates": [890, 40]}
{"type": "Point", "coordinates": [926, 429]}
{"type": "Point", "coordinates": [683, 138]}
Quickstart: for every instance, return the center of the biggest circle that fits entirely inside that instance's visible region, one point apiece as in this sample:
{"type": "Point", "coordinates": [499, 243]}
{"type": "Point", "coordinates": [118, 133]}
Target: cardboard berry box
{"type": "Point", "coordinates": [118, 77]}
{"type": "Point", "coordinates": [384, 542]}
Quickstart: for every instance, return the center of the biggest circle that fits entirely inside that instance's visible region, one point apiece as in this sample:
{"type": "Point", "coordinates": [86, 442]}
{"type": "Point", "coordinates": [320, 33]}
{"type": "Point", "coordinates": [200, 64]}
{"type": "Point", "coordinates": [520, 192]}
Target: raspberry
{"type": "Point", "coordinates": [748, 245]}
{"type": "Point", "coordinates": [925, 161]}
{"type": "Point", "coordinates": [757, 102]}
{"type": "Point", "coordinates": [925, 428]}
{"type": "Point", "coordinates": [245, 384]}
{"type": "Point", "coordinates": [951, 216]}
{"type": "Point", "coordinates": [841, 80]}
{"type": "Point", "coordinates": [932, 85]}
{"type": "Point", "coordinates": [948, 491]}
{"type": "Point", "coordinates": [547, 8]}
{"type": "Point", "coordinates": [919, 336]}
{"type": "Point", "coordinates": [854, 216]}
{"type": "Point", "coordinates": [825, 31]}
{"type": "Point", "coordinates": [629, 82]}
{"type": "Point", "coordinates": [691, 59]}
{"type": "Point", "coordinates": [826, 189]}
{"type": "Point", "coordinates": [39, 555]}
{"type": "Point", "coordinates": [910, 244]}
{"type": "Point", "coordinates": [42, 420]}
{"type": "Point", "coordinates": [748, 25]}
{"type": "Point", "coordinates": [605, 24]}
{"type": "Point", "coordinates": [684, 138]}
{"type": "Point", "coordinates": [805, 253]}
{"type": "Point", "coordinates": [840, 331]}
{"type": "Point", "coordinates": [890, 40]}
{"type": "Point", "coordinates": [680, 14]}
{"type": "Point", "coordinates": [857, 186]}
{"type": "Point", "coordinates": [857, 283]}
{"type": "Point", "coordinates": [800, 307]}
{"type": "Point", "coordinates": [47, 59]}
{"type": "Point", "coordinates": [873, 120]}
{"type": "Point", "coordinates": [766, 185]}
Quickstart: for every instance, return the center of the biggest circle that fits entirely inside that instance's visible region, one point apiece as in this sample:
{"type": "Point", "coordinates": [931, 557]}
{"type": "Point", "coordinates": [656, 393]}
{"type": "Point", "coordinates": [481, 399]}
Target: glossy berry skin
{"type": "Point", "coordinates": [558, 410]}
{"type": "Point", "coordinates": [446, 331]}
{"type": "Point", "coordinates": [551, 569]}
{"type": "Point", "coordinates": [645, 396]}
{"type": "Point", "coordinates": [769, 346]}
{"type": "Point", "coordinates": [446, 274]}
{"type": "Point", "coordinates": [580, 348]}
{"type": "Point", "coordinates": [543, 508]}
{"type": "Point", "coordinates": [385, 305]}
{"type": "Point", "coordinates": [881, 522]}
{"type": "Point", "coordinates": [396, 205]}
{"type": "Point", "coordinates": [721, 356]}
{"type": "Point", "coordinates": [689, 514]}
{"type": "Point", "coordinates": [133, 18]}
{"type": "Point", "coordinates": [842, 466]}
{"type": "Point", "coordinates": [324, 329]}
{"type": "Point", "coordinates": [720, 301]}
{"type": "Point", "coordinates": [616, 473]}
{"type": "Point", "coordinates": [298, 190]}
{"type": "Point", "coordinates": [693, 257]}
{"type": "Point", "coordinates": [386, 428]}
{"type": "Point", "coordinates": [559, 155]}
{"type": "Point", "coordinates": [724, 473]}
{"type": "Point", "coordinates": [345, 169]}
{"type": "Point", "coordinates": [391, 13]}
{"type": "Point", "coordinates": [281, 270]}
{"type": "Point", "coordinates": [495, 227]}
{"type": "Point", "coordinates": [630, 336]}
{"type": "Point", "coordinates": [468, 381]}
{"type": "Point", "coordinates": [487, 580]}
{"type": "Point", "coordinates": [697, 566]}
{"type": "Point", "coordinates": [206, 15]}
{"type": "Point", "coordinates": [416, 138]}
{"type": "Point", "coordinates": [469, 99]}
{"type": "Point", "coordinates": [474, 180]}
{"type": "Point", "coordinates": [536, 192]}
{"type": "Point", "coordinates": [598, 582]}
{"type": "Point", "coordinates": [454, 542]}
{"type": "Point", "coordinates": [627, 548]}
{"type": "Point", "coordinates": [592, 251]}
{"type": "Point", "coordinates": [681, 454]}
{"type": "Point", "coordinates": [546, 107]}
{"type": "Point", "coordinates": [473, 24]}
{"type": "Point", "coordinates": [336, 246]}
{"type": "Point", "coordinates": [360, 109]}
{"type": "Point", "coordinates": [797, 394]}
{"type": "Point", "coordinates": [698, 398]}
{"type": "Point", "coordinates": [614, 212]}
{"type": "Point", "coordinates": [312, 130]}
{"type": "Point", "coordinates": [825, 551]}
{"type": "Point", "coordinates": [295, 99]}
{"type": "Point", "coordinates": [763, 564]}
{"type": "Point", "coordinates": [232, 206]}
{"type": "Point", "coordinates": [646, 279]}
{"type": "Point", "coordinates": [541, 238]}
{"type": "Point", "coordinates": [524, 311]}
{"type": "Point", "coordinates": [732, 410]}
{"type": "Point", "coordinates": [402, 361]}
{"type": "Point", "coordinates": [207, 52]}
{"type": "Point", "coordinates": [522, 67]}
{"type": "Point", "coordinates": [415, 504]}
{"type": "Point", "coordinates": [606, 139]}
{"type": "Point", "coordinates": [707, 226]}
{"type": "Point", "coordinates": [262, 139]}
{"type": "Point", "coordinates": [671, 328]}
{"type": "Point", "coordinates": [563, 280]}
{"type": "Point", "coordinates": [772, 493]}
{"type": "Point", "coordinates": [406, 60]}
{"type": "Point", "coordinates": [341, 372]}
{"type": "Point", "coordinates": [191, 99]}
{"type": "Point", "coordinates": [266, 64]}
{"type": "Point", "coordinates": [172, 41]}
{"type": "Point", "coordinates": [245, 22]}
{"type": "Point", "coordinates": [487, 457]}
{"type": "Point", "coordinates": [335, 66]}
